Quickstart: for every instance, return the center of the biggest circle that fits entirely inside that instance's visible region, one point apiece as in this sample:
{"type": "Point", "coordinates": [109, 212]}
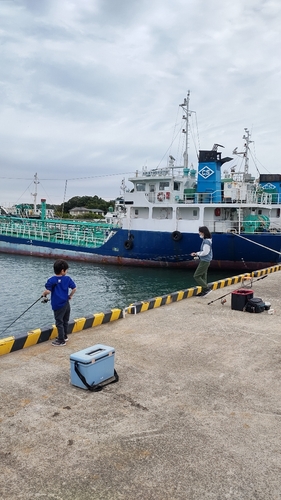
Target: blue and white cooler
{"type": "Point", "coordinates": [92, 366]}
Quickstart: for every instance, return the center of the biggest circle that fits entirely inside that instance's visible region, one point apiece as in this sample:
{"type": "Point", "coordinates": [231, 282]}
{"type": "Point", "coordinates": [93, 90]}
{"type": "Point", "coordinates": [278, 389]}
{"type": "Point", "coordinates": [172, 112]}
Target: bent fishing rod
{"type": "Point", "coordinates": [228, 293]}
{"type": "Point", "coordinates": [43, 301]}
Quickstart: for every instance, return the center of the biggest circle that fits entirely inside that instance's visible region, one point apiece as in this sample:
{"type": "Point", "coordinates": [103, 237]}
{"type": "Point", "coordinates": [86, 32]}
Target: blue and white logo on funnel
{"type": "Point", "coordinates": [268, 186]}
{"type": "Point", "coordinates": [206, 172]}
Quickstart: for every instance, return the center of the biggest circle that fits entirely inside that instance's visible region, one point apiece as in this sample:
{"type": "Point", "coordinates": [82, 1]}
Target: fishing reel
{"type": "Point", "coordinates": [247, 281]}
{"type": "Point", "coordinates": [44, 300]}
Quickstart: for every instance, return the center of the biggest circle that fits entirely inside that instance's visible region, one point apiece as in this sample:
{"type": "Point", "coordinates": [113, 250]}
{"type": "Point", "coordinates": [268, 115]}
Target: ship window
{"type": "Point", "coordinates": [259, 212]}
{"type": "Point", "coordinates": [162, 213]}
{"type": "Point", "coordinates": [139, 213]}
{"type": "Point", "coordinates": [152, 188]}
{"type": "Point", "coordinates": [176, 186]}
{"type": "Point", "coordinates": [140, 186]}
{"type": "Point", "coordinates": [187, 213]}
{"type": "Point", "coordinates": [163, 185]}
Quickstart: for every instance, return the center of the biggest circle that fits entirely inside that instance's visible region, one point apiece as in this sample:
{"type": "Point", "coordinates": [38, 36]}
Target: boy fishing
{"type": "Point", "coordinates": [58, 286]}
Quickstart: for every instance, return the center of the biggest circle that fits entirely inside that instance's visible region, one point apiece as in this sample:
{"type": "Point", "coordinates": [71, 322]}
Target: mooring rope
{"type": "Point", "coordinates": [255, 243]}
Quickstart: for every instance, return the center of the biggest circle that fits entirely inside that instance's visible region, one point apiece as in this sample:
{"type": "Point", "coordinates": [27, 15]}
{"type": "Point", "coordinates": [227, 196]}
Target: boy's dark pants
{"type": "Point", "coordinates": [62, 318]}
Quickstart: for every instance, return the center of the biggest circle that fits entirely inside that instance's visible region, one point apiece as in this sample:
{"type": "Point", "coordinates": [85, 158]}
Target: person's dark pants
{"type": "Point", "coordinates": [62, 318]}
{"type": "Point", "coordinates": [200, 274]}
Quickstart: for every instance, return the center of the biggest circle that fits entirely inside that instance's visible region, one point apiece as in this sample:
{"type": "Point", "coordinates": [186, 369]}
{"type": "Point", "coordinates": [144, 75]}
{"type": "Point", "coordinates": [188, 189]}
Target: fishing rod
{"type": "Point", "coordinates": [228, 293]}
{"type": "Point", "coordinates": [43, 301]}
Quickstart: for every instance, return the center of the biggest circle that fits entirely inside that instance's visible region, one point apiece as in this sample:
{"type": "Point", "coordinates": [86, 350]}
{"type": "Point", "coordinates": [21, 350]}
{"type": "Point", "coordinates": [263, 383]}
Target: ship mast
{"type": "Point", "coordinates": [245, 153]}
{"type": "Point", "coordinates": [185, 107]}
{"type": "Point", "coordinates": [246, 136]}
{"type": "Point", "coordinates": [36, 182]}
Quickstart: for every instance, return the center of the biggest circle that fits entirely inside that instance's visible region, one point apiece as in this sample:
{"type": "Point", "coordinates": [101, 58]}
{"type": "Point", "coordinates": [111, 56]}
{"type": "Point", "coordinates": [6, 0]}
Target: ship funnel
{"type": "Point", "coordinates": [209, 175]}
{"type": "Point", "coordinates": [43, 209]}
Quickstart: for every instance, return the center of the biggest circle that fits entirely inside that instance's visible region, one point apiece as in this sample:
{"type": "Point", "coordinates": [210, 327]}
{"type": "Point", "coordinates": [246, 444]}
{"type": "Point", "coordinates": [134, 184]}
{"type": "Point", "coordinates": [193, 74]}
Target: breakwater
{"type": "Point", "coordinates": [10, 344]}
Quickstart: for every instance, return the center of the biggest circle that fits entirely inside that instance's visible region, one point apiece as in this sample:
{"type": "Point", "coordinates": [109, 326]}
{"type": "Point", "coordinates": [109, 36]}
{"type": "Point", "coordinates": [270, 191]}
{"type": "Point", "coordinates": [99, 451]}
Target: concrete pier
{"type": "Point", "coordinates": [195, 415]}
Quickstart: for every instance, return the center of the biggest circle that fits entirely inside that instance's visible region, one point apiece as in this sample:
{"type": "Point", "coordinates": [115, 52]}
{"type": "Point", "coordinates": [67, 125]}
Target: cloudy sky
{"type": "Point", "coordinates": [90, 89]}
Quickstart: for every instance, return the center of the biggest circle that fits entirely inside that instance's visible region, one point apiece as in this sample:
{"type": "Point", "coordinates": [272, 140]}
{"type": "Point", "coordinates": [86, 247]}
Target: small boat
{"type": "Point", "coordinates": [156, 222]}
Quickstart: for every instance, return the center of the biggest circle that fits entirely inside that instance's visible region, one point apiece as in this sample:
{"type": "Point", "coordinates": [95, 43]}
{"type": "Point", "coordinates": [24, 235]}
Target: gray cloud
{"type": "Point", "coordinates": [91, 88]}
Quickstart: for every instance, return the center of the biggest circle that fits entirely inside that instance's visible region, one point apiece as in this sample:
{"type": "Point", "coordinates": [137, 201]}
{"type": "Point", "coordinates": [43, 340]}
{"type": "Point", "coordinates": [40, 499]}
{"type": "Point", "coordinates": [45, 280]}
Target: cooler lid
{"type": "Point", "coordinates": [92, 354]}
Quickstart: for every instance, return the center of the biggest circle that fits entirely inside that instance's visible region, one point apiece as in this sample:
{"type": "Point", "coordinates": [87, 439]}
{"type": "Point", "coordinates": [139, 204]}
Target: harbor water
{"type": "Point", "coordinates": [99, 288]}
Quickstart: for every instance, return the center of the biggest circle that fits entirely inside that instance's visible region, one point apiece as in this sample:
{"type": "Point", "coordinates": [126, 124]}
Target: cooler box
{"type": "Point", "coordinates": [240, 297]}
{"type": "Point", "coordinates": [95, 363]}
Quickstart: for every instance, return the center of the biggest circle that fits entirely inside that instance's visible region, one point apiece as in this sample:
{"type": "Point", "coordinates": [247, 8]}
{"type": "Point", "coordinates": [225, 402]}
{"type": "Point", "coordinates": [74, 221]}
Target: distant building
{"type": "Point", "coordinates": [84, 210]}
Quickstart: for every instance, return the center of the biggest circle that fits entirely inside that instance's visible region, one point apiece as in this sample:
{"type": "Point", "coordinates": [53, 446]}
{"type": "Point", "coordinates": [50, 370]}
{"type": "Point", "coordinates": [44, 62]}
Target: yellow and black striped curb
{"type": "Point", "coordinates": [11, 344]}
{"type": "Point", "coordinates": [268, 270]}
{"type": "Point", "coordinates": [146, 305]}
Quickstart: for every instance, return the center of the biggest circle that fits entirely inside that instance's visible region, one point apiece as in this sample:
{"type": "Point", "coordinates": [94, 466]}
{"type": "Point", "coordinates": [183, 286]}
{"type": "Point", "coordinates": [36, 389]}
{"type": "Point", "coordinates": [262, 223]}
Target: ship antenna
{"type": "Point", "coordinates": [64, 197]}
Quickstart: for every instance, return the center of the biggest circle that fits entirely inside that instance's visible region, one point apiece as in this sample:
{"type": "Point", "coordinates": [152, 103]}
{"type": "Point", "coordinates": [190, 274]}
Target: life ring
{"type": "Point", "coordinates": [176, 235]}
{"type": "Point", "coordinates": [128, 244]}
{"type": "Point", "coordinates": [217, 212]}
{"type": "Point", "coordinates": [161, 196]}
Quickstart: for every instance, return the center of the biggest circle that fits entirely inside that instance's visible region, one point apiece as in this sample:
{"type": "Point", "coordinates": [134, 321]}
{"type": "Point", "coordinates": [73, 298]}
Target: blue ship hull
{"type": "Point", "coordinates": [158, 249]}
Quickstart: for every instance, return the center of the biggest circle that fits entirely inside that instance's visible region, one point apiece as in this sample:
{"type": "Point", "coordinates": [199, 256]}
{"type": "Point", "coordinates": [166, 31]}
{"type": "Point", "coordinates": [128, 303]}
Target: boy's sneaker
{"type": "Point", "coordinates": [65, 338]}
{"type": "Point", "coordinates": [58, 342]}
{"type": "Point", "coordinates": [206, 292]}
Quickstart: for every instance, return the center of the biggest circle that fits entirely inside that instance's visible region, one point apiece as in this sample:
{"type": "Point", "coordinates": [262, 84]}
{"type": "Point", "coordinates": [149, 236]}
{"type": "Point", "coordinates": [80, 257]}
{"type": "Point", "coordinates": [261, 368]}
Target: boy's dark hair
{"type": "Point", "coordinates": [205, 231]}
{"type": "Point", "coordinates": [60, 265]}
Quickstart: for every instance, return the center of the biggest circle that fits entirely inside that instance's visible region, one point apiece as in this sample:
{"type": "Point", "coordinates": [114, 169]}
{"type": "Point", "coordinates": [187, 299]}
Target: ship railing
{"type": "Point", "coordinates": [276, 198]}
{"type": "Point", "coordinates": [4, 228]}
{"type": "Point", "coordinates": [222, 226]}
{"type": "Point", "coordinates": [92, 239]}
{"type": "Point", "coordinates": [81, 238]}
{"type": "Point", "coordinates": [275, 227]}
{"type": "Point", "coordinates": [26, 231]}
{"type": "Point", "coordinates": [218, 196]}
{"type": "Point", "coordinates": [242, 226]}
{"type": "Point", "coordinates": [59, 237]}
{"type": "Point", "coordinates": [46, 235]}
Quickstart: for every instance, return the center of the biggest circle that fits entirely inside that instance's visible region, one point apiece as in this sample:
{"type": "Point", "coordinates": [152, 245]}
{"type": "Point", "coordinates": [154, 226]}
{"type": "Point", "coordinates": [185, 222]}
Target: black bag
{"type": "Point", "coordinates": [255, 305]}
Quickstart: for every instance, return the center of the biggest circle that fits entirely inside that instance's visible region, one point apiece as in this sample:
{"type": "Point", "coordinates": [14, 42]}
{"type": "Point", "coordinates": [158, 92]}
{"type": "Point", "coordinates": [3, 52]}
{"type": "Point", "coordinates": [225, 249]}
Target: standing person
{"type": "Point", "coordinates": [58, 286]}
{"type": "Point", "coordinates": [205, 255]}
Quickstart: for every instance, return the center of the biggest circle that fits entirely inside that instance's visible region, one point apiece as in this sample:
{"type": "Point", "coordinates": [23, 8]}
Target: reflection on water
{"type": "Point", "coordinates": [99, 288]}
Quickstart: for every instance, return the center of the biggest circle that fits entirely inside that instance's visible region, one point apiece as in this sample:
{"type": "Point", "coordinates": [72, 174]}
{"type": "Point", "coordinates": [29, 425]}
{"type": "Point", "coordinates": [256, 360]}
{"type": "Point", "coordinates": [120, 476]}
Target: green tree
{"type": "Point", "coordinates": [91, 202]}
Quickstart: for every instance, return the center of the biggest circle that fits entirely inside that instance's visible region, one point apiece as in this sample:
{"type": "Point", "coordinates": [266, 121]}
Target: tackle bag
{"type": "Point", "coordinates": [255, 305]}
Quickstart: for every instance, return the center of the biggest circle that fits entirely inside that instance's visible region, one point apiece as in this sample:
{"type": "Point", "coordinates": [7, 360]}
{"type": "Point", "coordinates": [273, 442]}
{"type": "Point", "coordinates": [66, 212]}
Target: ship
{"type": "Point", "coordinates": [155, 223]}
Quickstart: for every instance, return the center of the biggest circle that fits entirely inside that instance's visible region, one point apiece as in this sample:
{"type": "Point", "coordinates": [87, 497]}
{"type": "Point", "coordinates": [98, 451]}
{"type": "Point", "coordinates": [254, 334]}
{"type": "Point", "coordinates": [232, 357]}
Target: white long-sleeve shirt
{"type": "Point", "coordinates": [205, 251]}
